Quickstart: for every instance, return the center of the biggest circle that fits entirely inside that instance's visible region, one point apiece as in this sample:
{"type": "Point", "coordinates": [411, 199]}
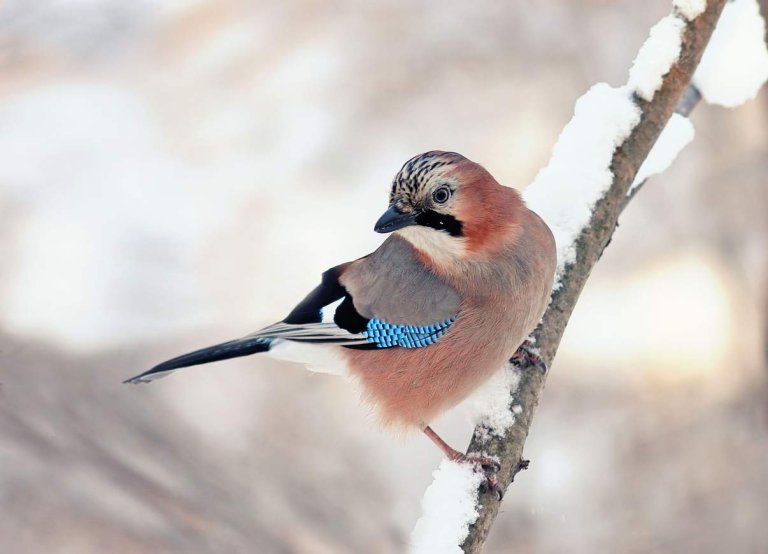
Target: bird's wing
{"type": "Point", "coordinates": [386, 299]}
{"type": "Point", "coordinates": [319, 318]}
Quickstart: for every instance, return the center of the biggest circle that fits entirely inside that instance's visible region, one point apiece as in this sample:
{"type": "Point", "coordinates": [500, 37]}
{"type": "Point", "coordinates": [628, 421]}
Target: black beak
{"type": "Point", "coordinates": [393, 219]}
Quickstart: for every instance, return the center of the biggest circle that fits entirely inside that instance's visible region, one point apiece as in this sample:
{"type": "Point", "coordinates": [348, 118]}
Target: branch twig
{"type": "Point", "coordinates": [626, 161]}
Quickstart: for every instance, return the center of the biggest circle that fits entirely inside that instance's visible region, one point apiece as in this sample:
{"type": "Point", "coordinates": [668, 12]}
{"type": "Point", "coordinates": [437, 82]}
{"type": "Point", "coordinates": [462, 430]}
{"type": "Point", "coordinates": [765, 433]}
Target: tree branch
{"type": "Point", "coordinates": [688, 101]}
{"type": "Point", "coordinates": [625, 163]}
{"type": "Point", "coordinates": [764, 13]}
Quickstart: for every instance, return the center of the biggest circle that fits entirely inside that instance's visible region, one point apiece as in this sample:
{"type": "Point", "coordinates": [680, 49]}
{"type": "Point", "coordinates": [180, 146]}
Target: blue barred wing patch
{"type": "Point", "coordinates": [385, 335]}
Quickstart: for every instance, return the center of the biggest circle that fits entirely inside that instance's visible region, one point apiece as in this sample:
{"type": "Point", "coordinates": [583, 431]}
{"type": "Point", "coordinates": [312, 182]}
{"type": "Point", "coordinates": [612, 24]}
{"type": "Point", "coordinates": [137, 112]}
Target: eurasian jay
{"type": "Point", "coordinates": [421, 322]}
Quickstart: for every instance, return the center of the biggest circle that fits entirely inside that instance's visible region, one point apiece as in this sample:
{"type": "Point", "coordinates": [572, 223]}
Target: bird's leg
{"type": "Point", "coordinates": [456, 456]}
{"type": "Point", "coordinates": [488, 466]}
{"type": "Point", "coordinates": [528, 353]}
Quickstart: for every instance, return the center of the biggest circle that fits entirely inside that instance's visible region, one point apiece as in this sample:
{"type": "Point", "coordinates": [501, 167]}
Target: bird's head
{"type": "Point", "coordinates": [447, 206]}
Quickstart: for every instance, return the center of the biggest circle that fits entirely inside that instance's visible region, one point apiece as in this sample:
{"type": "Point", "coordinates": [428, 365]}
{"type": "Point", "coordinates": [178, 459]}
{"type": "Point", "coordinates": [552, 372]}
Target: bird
{"type": "Point", "coordinates": [450, 295]}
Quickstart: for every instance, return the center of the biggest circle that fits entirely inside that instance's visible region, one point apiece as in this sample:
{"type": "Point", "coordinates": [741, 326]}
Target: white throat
{"type": "Point", "coordinates": [438, 245]}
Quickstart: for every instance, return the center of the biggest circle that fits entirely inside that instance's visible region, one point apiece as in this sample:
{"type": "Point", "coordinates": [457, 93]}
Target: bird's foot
{"type": "Point", "coordinates": [527, 353]}
{"type": "Point", "coordinates": [489, 467]}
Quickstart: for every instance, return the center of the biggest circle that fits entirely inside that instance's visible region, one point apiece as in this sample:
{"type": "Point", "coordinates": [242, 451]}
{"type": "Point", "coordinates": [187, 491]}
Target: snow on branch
{"type": "Point", "coordinates": [450, 507]}
{"type": "Point", "coordinates": [564, 193]}
{"type": "Point", "coordinates": [675, 136]}
{"type": "Point", "coordinates": [735, 65]}
{"type": "Point", "coordinates": [580, 194]}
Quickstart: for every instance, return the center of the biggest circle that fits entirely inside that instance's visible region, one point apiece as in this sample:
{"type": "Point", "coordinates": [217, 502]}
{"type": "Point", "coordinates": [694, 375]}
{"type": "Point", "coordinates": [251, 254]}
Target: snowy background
{"type": "Point", "coordinates": [177, 173]}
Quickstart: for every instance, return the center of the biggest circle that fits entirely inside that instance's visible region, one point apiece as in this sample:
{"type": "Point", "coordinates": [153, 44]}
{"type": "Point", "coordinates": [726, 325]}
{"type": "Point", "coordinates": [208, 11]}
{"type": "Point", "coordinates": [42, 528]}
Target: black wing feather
{"type": "Point", "coordinates": [224, 351]}
{"type": "Point", "coordinates": [328, 291]}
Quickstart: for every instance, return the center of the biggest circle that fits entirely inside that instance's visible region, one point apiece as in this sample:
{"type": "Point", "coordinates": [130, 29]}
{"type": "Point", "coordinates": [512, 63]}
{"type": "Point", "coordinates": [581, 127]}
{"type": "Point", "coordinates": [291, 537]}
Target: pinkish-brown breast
{"type": "Point", "coordinates": [502, 299]}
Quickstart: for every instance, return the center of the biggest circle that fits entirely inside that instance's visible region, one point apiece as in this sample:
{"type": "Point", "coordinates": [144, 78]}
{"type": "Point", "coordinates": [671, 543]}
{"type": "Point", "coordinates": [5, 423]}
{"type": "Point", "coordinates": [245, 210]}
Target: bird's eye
{"type": "Point", "coordinates": [441, 195]}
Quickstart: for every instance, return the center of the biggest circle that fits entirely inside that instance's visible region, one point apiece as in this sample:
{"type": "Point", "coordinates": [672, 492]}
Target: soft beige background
{"type": "Point", "coordinates": [174, 174]}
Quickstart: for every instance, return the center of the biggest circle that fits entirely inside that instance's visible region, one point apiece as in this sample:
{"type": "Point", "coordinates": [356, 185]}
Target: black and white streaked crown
{"type": "Point", "coordinates": [419, 171]}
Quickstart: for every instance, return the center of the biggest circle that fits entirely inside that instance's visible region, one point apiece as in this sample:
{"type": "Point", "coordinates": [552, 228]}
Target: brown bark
{"type": "Point", "coordinates": [764, 13]}
{"type": "Point", "coordinates": [626, 161]}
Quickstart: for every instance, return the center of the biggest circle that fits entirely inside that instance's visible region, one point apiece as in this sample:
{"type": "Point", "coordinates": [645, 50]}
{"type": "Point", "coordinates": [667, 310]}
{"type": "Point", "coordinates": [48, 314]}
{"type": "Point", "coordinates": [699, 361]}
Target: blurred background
{"type": "Point", "coordinates": [178, 173]}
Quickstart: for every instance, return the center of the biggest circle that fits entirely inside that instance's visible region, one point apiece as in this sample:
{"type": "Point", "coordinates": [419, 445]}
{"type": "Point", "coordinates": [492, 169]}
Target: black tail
{"type": "Point", "coordinates": [224, 351]}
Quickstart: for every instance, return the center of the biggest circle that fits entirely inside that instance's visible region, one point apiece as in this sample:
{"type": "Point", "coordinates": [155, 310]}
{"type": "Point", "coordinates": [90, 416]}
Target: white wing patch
{"type": "Point", "coordinates": [327, 312]}
{"type": "Point", "coordinates": [317, 357]}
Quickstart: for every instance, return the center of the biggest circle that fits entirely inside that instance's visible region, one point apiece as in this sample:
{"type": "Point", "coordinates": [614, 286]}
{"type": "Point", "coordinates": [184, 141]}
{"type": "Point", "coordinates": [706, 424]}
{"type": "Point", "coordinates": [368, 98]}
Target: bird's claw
{"type": "Point", "coordinates": [491, 484]}
{"type": "Point", "coordinates": [489, 464]}
{"type": "Point", "coordinates": [527, 353]}
{"type": "Point", "coordinates": [489, 467]}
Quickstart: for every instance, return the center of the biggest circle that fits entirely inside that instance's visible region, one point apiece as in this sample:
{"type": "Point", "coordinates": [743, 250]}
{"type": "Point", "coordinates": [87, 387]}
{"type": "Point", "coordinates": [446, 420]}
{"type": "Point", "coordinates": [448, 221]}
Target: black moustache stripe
{"type": "Point", "coordinates": [441, 222]}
